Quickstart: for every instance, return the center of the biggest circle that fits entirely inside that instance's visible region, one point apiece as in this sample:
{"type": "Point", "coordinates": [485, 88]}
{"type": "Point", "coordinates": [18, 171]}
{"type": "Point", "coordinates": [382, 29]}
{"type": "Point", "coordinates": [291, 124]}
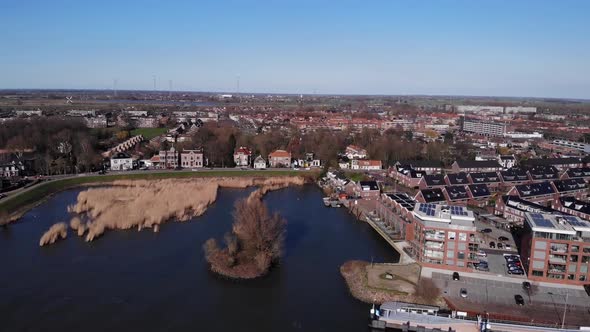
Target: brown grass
{"type": "Point", "coordinates": [54, 233]}
{"type": "Point", "coordinates": [149, 203]}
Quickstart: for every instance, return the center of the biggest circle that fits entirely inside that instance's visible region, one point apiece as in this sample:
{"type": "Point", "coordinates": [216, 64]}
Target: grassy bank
{"type": "Point", "coordinates": [148, 133]}
{"type": "Point", "coordinates": [14, 206]}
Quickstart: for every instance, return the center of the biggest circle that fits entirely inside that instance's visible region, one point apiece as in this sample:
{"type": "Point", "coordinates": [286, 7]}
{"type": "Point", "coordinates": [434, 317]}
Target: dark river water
{"type": "Point", "coordinates": [145, 281]}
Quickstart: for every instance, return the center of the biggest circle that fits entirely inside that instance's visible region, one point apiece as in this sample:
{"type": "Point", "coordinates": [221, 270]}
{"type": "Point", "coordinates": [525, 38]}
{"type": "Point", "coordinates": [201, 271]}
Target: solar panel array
{"type": "Point", "coordinates": [575, 221]}
{"type": "Point", "coordinates": [428, 209]}
{"type": "Point", "coordinates": [458, 211]}
{"type": "Point", "coordinates": [540, 220]}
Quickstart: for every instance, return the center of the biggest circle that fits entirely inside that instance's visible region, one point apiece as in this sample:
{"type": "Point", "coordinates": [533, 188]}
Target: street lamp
{"type": "Point", "coordinates": [564, 307]}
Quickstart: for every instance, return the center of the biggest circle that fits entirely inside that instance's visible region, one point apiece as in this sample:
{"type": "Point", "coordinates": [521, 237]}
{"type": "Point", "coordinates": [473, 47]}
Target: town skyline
{"type": "Point", "coordinates": [531, 49]}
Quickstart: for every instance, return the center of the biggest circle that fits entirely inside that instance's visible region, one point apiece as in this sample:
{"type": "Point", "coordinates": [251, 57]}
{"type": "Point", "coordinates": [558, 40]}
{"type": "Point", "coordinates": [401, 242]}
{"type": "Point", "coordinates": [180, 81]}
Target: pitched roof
{"type": "Point", "coordinates": [369, 163]}
{"type": "Point", "coordinates": [518, 203]}
{"type": "Point", "coordinates": [478, 164]}
{"type": "Point", "coordinates": [479, 190]}
{"type": "Point", "coordinates": [421, 163]}
{"type": "Point", "coordinates": [434, 180]}
{"type": "Point", "coordinates": [514, 175]}
{"type": "Point", "coordinates": [243, 150]}
{"type": "Point", "coordinates": [456, 192]}
{"type": "Point", "coordinates": [578, 172]}
{"type": "Point", "coordinates": [574, 204]}
{"type": "Point", "coordinates": [535, 189]}
{"type": "Point", "coordinates": [570, 184]}
{"type": "Point", "coordinates": [403, 199]}
{"type": "Point", "coordinates": [484, 177]}
{"type": "Point", "coordinates": [433, 195]}
{"type": "Point", "coordinates": [279, 154]}
{"type": "Point", "coordinates": [551, 161]}
{"type": "Point", "coordinates": [458, 178]}
{"type": "Point", "coordinates": [121, 155]}
{"type": "Point", "coordinates": [543, 172]}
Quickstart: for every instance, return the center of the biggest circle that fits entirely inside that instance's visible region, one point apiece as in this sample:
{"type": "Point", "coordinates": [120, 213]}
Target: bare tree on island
{"type": "Point", "coordinates": [256, 242]}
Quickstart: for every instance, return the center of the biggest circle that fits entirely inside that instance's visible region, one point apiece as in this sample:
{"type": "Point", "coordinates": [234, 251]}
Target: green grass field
{"type": "Point", "coordinates": [26, 199]}
{"type": "Point", "coordinates": [148, 133]}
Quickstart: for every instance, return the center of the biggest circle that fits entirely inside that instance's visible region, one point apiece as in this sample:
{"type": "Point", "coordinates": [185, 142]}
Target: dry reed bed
{"type": "Point", "coordinates": [149, 203]}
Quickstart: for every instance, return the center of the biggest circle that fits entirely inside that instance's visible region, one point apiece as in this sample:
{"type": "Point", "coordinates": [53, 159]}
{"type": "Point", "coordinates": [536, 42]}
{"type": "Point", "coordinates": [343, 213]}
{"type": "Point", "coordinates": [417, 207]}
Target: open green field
{"type": "Point", "coordinates": [25, 200]}
{"type": "Point", "coordinates": [148, 133]}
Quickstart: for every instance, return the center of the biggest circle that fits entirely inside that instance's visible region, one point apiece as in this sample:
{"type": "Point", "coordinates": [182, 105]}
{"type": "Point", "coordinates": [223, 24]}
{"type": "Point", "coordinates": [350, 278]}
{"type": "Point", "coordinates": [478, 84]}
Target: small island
{"type": "Point", "coordinates": [254, 245]}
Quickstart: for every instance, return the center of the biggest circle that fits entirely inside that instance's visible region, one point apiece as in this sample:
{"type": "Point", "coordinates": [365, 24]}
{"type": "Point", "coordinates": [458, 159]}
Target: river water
{"type": "Point", "coordinates": [145, 281]}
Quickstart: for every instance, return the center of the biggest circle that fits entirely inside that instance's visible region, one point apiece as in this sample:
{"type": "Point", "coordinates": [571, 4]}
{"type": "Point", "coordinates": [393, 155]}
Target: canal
{"type": "Point", "coordinates": [145, 281]}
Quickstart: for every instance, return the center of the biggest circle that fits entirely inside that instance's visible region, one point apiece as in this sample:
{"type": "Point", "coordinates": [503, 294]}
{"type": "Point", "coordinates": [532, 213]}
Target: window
{"type": "Point", "coordinates": [570, 277]}
{"type": "Point", "coordinates": [573, 258]}
{"type": "Point", "coordinates": [462, 237]}
{"type": "Point", "coordinates": [451, 235]}
{"type": "Point", "coordinates": [582, 277]}
{"type": "Point", "coordinates": [540, 245]}
{"type": "Point", "coordinates": [539, 254]}
{"type": "Point", "coordinates": [450, 254]}
{"type": "Point", "coordinates": [461, 255]}
{"type": "Point", "coordinates": [572, 268]}
{"type": "Point", "coordinates": [537, 273]}
{"type": "Point", "coordinates": [538, 264]}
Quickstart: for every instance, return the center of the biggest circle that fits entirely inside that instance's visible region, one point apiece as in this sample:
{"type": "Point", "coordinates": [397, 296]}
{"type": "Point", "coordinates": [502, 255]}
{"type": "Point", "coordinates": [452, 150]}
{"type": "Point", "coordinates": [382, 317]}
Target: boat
{"type": "Point", "coordinates": [332, 202]}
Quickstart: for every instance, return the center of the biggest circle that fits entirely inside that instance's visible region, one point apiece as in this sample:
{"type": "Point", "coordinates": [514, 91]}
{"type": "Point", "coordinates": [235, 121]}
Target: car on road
{"type": "Point", "coordinates": [492, 244]}
{"type": "Point", "coordinates": [456, 276]}
{"type": "Point", "coordinates": [526, 285]}
{"type": "Point", "coordinates": [502, 238]}
{"type": "Point", "coordinates": [508, 246]}
{"type": "Point", "coordinates": [516, 272]}
{"type": "Point", "coordinates": [518, 299]}
{"type": "Point", "coordinates": [486, 230]}
{"type": "Point", "coordinates": [482, 266]}
{"type": "Point", "coordinates": [463, 292]}
{"type": "Point", "coordinates": [482, 253]}
{"type": "Point", "coordinates": [499, 245]}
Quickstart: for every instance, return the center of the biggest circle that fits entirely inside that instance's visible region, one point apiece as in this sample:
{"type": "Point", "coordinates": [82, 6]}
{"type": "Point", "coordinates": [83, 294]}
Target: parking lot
{"type": "Point", "coordinates": [493, 236]}
{"type": "Point", "coordinates": [501, 291]}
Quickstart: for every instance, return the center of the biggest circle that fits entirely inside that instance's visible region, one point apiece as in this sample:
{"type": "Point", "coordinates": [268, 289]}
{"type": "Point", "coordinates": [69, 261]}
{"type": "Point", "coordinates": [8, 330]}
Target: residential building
{"type": "Point", "coordinates": [479, 109]}
{"type": "Point", "coordinates": [279, 158]}
{"type": "Point", "coordinates": [482, 127]}
{"type": "Point", "coordinates": [355, 152]}
{"type": "Point", "coordinates": [191, 158]}
{"type": "Point", "coordinates": [573, 206]}
{"type": "Point", "coordinates": [367, 190]}
{"type": "Point", "coordinates": [513, 176]}
{"type": "Point", "coordinates": [479, 194]}
{"type": "Point", "coordinates": [560, 163]}
{"type": "Point", "coordinates": [259, 163]}
{"type": "Point", "coordinates": [542, 173]}
{"type": "Point", "coordinates": [556, 248]}
{"type": "Point", "coordinates": [576, 187]}
{"type": "Point", "coordinates": [168, 158]}
{"type": "Point", "coordinates": [434, 195]}
{"type": "Point", "coordinates": [490, 179]}
{"type": "Point", "coordinates": [242, 157]}
{"type": "Point", "coordinates": [428, 166]}
{"type": "Point", "coordinates": [454, 179]}
{"type": "Point", "coordinates": [513, 208]}
{"type": "Point", "coordinates": [406, 176]}
{"type": "Point", "coordinates": [507, 161]}
{"type": "Point", "coordinates": [121, 161]}
{"type": "Point", "coordinates": [432, 181]}
{"type": "Point", "coordinates": [443, 236]}
{"type": "Point", "coordinates": [10, 169]}
{"type": "Point", "coordinates": [540, 192]}
{"type": "Point", "coordinates": [476, 166]}
{"type": "Point", "coordinates": [456, 195]}
{"type": "Point", "coordinates": [366, 165]}
{"type": "Point", "coordinates": [584, 147]}
{"type": "Point", "coordinates": [520, 109]}
{"type": "Point", "coordinates": [577, 172]}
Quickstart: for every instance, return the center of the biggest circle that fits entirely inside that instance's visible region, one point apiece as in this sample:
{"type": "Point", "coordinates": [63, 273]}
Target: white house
{"type": "Point", "coordinates": [366, 165]}
{"type": "Point", "coordinates": [355, 152]}
{"type": "Point", "coordinates": [121, 162]}
{"type": "Point", "coordinates": [242, 157]}
{"type": "Point", "coordinates": [259, 163]}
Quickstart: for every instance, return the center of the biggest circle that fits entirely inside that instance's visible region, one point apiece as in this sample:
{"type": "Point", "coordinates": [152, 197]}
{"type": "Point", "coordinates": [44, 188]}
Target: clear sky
{"type": "Point", "coordinates": [491, 48]}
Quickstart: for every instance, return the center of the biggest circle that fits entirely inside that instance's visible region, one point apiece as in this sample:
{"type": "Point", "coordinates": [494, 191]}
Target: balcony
{"type": "Point", "coordinates": [557, 259]}
{"type": "Point", "coordinates": [560, 248]}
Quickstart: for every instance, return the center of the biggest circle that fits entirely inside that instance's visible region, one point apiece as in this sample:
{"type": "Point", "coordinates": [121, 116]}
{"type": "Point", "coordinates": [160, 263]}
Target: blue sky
{"type": "Point", "coordinates": [500, 48]}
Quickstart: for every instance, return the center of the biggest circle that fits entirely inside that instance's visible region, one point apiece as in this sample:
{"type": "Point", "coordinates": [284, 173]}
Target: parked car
{"type": "Point", "coordinates": [526, 285]}
{"type": "Point", "coordinates": [463, 292]}
{"type": "Point", "coordinates": [482, 267]}
{"type": "Point", "coordinates": [519, 300]}
{"type": "Point", "coordinates": [456, 276]}
{"type": "Point", "coordinates": [508, 247]}
{"type": "Point", "coordinates": [502, 238]}
{"type": "Point", "coordinates": [482, 253]}
{"type": "Point", "coordinates": [499, 245]}
{"type": "Point", "coordinates": [492, 244]}
{"type": "Point", "coordinates": [516, 272]}
{"type": "Point", "coordinates": [486, 230]}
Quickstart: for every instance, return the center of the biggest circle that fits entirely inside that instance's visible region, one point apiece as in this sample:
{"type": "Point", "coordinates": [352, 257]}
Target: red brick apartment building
{"type": "Point", "coordinates": [556, 248]}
